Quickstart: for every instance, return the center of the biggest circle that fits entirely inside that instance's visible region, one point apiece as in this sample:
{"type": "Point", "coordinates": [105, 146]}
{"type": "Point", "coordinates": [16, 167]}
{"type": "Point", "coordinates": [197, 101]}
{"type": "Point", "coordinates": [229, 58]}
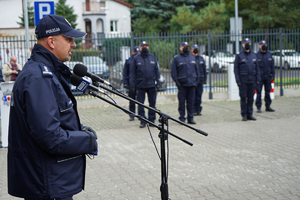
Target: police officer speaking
{"type": "Point", "coordinates": [184, 74]}
{"type": "Point", "coordinates": [201, 67]}
{"type": "Point", "coordinates": [247, 77]}
{"type": "Point", "coordinates": [267, 73]}
{"type": "Point", "coordinates": [46, 142]}
{"type": "Point", "coordinates": [144, 76]}
{"type": "Point", "coordinates": [126, 71]}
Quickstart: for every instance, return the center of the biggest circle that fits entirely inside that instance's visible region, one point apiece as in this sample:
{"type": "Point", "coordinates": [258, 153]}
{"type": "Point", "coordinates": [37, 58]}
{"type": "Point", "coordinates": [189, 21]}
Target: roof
{"type": "Point", "coordinates": [124, 3]}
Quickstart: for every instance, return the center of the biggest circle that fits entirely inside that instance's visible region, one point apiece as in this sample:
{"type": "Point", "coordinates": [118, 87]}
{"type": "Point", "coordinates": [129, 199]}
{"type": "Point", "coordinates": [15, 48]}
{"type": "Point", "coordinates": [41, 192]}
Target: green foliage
{"type": "Point", "coordinates": [161, 10]}
{"type": "Point", "coordinates": [111, 48]}
{"type": "Point", "coordinates": [162, 49]}
{"type": "Point", "coordinates": [147, 25]}
{"type": "Point", "coordinates": [270, 14]}
{"type": "Point", "coordinates": [213, 17]}
{"type": "Point", "coordinates": [77, 54]}
{"type": "Point", "coordinates": [66, 11]}
{"type": "Point", "coordinates": [30, 14]}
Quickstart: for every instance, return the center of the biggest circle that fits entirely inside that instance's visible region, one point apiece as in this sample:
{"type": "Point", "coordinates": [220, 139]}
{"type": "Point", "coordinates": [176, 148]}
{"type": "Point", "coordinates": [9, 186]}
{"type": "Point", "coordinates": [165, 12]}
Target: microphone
{"type": "Point", "coordinates": [82, 84]}
{"type": "Point", "coordinates": [81, 70]}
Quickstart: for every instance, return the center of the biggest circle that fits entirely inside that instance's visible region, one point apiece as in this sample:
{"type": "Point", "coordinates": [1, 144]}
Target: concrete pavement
{"type": "Point", "coordinates": [237, 160]}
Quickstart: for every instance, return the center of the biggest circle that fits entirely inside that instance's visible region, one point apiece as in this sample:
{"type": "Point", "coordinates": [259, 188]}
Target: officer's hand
{"type": "Point", "coordinates": [257, 82]}
{"type": "Point", "coordinates": [239, 84]}
{"type": "Point", "coordinates": [95, 151]}
{"type": "Point", "coordinates": [90, 130]}
{"type": "Point", "coordinates": [178, 86]}
{"type": "Point", "coordinates": [157, 86]}
{"type": "Point", "coordinates": [125, 86]}
{"type": "Point", "coordinates": [132, 89]}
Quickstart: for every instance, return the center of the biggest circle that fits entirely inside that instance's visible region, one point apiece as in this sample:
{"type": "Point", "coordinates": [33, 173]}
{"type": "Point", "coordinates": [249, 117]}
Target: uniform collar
{"type": "Point", "coordinates": [43, 55]}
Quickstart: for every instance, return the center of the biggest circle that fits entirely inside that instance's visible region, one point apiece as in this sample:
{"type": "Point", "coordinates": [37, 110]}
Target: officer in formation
{"type": "Point", "coordinates": [126, 72]}
{"type": "Point", "coordinates": [46, 141]}
{"type": "Point", "coordinates": [201, 67]}
{"type": "Point", "coordinates": [184, 74]}
{"type": "Point", "coordinates": [267, 73]}
{"type": "Point", "coordinates": [144, 77]}
{"type": "Point", "coordinates": [247, 76]}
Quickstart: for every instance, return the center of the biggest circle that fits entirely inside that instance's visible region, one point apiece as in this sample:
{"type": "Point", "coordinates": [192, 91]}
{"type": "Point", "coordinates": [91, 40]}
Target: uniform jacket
{"type": "Point", "coordinates": [245, 67]}
{"type": "Point", "coordinates": [7, 69]}
{"type": "Point", "coordinates": [265, 63]}
{"type": "Point", "coordinates": [184, 70]}
{"type": "Point", "coordinates": [46, 146]}
{"type": "Point", "coordinates": [144, 72]}
{"type": "Point", "coordinates": [126, 71]}
{"type": "Point", "coordinates": [201, 67]}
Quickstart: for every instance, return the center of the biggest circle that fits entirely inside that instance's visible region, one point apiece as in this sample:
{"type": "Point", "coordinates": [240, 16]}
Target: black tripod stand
{"type": "Point", "coordinates": [163, 135]}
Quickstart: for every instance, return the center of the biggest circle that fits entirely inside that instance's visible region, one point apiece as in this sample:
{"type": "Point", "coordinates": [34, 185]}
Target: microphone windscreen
{"type": "Point", "coordinates": [80, 70]}
{"type": "Point", "coordinates": [75, 80]}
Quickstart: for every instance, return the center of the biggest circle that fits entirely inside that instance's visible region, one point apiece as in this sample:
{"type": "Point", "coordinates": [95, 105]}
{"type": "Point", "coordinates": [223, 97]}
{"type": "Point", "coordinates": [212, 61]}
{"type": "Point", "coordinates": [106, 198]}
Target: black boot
{"type": "Point", "coordinates": [251, 117]}
{"type": "Point", "coordinates": [269, 109]}
{"type": "Point", "coordinates": [244, 118]}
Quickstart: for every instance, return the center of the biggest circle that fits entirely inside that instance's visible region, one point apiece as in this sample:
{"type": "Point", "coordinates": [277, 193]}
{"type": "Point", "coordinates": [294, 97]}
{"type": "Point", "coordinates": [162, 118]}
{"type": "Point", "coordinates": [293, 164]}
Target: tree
{"type": "Point", "coordinates": [66, 11]}
{"type": "Point", "coordinates": [147, 25]}
{"type": "Point", "coordinates": [271, 14]}
{"type": "Point", "coordinates": [213, 17]}
{"type": "Point", "coordinates": [153, 9]}
{"type": "Point", "coordinates": [30, 14]}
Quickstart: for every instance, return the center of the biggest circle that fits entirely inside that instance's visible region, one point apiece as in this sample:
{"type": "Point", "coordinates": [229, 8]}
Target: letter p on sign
{"type": "Point", "coordinates": [41, 9]}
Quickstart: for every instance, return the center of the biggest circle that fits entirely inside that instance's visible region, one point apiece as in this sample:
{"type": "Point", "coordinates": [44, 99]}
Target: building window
{"type": "Point", "coordinates": [113, 26]}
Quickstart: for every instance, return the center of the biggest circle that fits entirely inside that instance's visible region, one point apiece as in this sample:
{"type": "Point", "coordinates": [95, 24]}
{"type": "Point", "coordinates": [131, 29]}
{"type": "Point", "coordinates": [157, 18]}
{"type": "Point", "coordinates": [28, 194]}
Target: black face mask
{"type": "Point", "coordinates": [247, 46]}
{"type": "Point", "coordinates": [185, 50]}
{"type": "Point", "coordinates": [144, 50]}
{"type": "Point", "coordinates": [195, 51]}
{"type": "Point", "coordinates": [264, 48]}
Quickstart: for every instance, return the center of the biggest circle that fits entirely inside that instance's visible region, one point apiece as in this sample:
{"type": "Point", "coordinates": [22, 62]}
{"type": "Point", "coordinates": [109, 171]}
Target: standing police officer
{"type": "Point", "coordinates": [201, 67]}
{"type": "Point", "coordinates": [185, 75]}
{"type": "Point", "coordinates": [144, 76]}
{"type": "Point", "coordinates": [247, 77]}
{"type": "Point", "coordinates": [46, 141]}
{"type": "Point", "coordinates": [267, 73]}
{"type": "Point", "coordinates": [126, 72]}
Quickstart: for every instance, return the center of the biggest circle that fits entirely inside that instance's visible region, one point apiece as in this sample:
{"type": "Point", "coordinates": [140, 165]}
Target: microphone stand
{"type": "Point", "coordinates": [163, 135]}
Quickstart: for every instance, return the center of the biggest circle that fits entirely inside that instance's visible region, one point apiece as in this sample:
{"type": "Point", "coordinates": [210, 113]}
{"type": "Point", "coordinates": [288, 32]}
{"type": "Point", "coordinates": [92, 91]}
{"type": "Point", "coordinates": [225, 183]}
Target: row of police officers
{"type": "Point", "coordinates": [252, 71]}
{"type": "Point", "coordinates": [141, 75]}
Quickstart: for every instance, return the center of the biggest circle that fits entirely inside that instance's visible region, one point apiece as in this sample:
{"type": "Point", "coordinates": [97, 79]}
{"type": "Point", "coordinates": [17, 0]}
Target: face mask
{"type": "Point", "coordinates": [144, 50]}
{"type": "Point", "coordinates": [13, 63]}
{"type": "Point", "coordinates": [185, 50]}
{"type": "Point", "coordinates": [196, 51]}
{"type": "Point", "coordinates": [247, 46]}
{"type": "Point", "coordinates": [264, 48]}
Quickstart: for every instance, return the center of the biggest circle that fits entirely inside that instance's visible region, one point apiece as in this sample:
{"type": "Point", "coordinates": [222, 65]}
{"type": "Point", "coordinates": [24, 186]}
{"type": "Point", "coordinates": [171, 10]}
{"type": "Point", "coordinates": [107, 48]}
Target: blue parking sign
{"type": "Point", "coordinates": [41, 9]}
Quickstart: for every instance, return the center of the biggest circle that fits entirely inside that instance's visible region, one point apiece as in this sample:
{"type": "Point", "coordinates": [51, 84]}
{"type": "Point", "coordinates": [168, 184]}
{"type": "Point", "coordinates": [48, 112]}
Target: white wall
{"type": "Point", "coordinates": [10, 10]}
{"type": "Point", "coordinates": [120, 12]}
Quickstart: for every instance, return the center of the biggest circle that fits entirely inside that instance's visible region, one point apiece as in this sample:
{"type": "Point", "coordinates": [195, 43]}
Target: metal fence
{"type": "Point", "coordinates": [105, 54]}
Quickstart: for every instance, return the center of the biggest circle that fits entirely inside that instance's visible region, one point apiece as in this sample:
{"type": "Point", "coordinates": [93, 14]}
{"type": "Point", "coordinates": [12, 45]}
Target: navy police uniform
{"type": "Point", "coordinates": [247, 75]}
{"type": "Point", "coordinates": [144, 76]}
{"type": "Point", "coordinates": [201, 68]}
{"type": "Point", "coordinates": [185, 74]}
{"type": "Point", "coordinates": [266, 66]}
{"type": "Point", "coordinates": [46, 144]}
{"type": "Point", "coordinates": [126, 72]}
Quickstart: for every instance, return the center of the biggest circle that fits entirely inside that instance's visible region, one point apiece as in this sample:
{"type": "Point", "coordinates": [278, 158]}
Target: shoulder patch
{"type": "Point", "coordinates": [45, 71]}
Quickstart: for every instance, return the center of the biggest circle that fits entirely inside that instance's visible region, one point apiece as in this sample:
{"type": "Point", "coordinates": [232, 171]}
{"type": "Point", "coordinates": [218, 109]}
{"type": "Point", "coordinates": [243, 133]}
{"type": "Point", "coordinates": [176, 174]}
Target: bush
{"type": "Point", "coordinates": [77, 54]}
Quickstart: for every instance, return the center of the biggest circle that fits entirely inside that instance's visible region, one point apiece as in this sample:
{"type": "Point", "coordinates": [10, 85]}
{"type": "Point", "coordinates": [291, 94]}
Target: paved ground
{"type": "Point", "coordinates": [238, 160]}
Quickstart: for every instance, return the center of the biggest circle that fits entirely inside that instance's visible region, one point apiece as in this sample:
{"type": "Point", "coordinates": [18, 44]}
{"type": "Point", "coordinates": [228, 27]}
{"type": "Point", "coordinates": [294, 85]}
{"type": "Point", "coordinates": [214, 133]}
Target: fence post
{"type": "Point", "coordinates": [209, 64]}
{"type": "Point", "coordinates": [280, 46]}
{"type": "Point", "coordinates": [131, 40]}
